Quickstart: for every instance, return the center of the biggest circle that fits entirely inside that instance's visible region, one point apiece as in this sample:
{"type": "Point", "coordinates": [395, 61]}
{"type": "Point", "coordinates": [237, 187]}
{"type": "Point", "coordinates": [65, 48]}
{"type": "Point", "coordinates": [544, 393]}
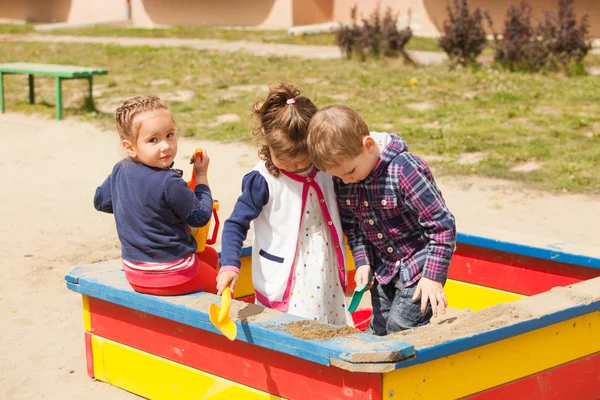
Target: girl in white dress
{"type": "Point", "coordinates": [298, 252]}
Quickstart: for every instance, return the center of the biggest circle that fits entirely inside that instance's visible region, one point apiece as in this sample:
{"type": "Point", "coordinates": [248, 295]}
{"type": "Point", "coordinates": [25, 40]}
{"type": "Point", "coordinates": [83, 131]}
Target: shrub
{"type": "Point", "coordinates": [394, 39]}
{"type": "Point", "coordinates": [347, 36]}
{"type": "Point", "coordinates": [556, 42]}
{"type": "Point", "coordinates": [566, 42]}
{"type": "Point", "coordinates": [463, 37]}
{"type": "Point", "coordinates": [370, 34]}
{"type": "Point", "coordinates": [374, 37]}
{"type": "Point", "coordinates": [520, 48]}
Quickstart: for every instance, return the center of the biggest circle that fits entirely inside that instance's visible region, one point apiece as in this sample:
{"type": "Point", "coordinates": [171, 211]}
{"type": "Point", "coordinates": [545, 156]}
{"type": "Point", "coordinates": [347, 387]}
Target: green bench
{"type": "Point", "coordinates": [59, 72]}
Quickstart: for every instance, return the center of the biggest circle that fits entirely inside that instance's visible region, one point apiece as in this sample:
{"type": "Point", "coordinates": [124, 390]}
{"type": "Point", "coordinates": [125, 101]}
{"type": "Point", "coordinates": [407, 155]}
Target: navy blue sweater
{"type": "Point", "coordinates": [255, 195]}
{"type": "Point", "coordinates": [152, 208]}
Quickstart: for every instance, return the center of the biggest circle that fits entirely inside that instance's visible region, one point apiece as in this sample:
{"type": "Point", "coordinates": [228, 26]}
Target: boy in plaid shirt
{"type": "Point", "coordinates": [393, 214]}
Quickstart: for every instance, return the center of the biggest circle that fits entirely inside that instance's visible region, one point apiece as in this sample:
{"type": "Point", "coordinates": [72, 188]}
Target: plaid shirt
{"type": "Point", "coordinates": [396, 220]}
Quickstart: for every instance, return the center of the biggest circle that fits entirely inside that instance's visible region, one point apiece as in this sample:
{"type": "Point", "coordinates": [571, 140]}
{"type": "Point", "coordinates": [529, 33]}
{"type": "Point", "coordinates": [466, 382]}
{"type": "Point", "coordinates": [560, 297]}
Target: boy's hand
{"type": "Point", "coordinates": [200, 163]}
{"type": "Point", "coordinates": [433, 292]}
{"type": "Point", "coordinates": [226, 278]}
{"type": "Point", "coordinates": [362, 276]}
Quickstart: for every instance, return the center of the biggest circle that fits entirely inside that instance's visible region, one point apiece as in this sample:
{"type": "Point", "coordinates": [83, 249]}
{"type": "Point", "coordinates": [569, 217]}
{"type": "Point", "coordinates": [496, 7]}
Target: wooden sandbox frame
{"type": "Point", "coordinates": [532, 331]}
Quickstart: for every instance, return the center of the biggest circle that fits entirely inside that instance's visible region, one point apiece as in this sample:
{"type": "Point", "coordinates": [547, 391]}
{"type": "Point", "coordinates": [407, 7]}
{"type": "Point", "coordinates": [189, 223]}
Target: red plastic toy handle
{"type": "Point", "coordinates": [213, 239]}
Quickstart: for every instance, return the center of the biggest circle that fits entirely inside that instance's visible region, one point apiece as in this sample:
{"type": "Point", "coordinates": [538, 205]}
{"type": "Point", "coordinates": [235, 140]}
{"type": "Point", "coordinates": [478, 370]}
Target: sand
{"type": "Point", "coordinates": [48, 175]}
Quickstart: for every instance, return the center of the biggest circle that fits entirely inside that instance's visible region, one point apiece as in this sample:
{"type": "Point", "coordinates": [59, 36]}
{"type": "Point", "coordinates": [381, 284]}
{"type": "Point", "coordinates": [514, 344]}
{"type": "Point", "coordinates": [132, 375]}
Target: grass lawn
{"type": "Point", "coordinates": [485, 122]}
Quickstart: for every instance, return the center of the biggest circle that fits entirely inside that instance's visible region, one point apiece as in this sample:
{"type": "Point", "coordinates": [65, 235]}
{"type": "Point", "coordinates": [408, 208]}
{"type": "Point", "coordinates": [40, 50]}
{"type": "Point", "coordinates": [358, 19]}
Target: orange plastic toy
{"type": "Point", "coordinates": [201, 233]}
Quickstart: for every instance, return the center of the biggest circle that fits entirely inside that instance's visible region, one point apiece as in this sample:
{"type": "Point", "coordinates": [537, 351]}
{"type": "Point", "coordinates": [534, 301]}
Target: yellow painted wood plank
{"type": "Point", "coordinates": [491, 365]}
{"type": "Point", "coordinates": [460, 294]}
{"type": "Point", "coordinates": [463, 295]}
{"type": "Point", "coordinates": [154, 377]}
{"type": "Point", "coordinates": [349, 259]}
{"type": "Point", "coordinates": [244, 286]}
{"type": "Point", "coordinates": [87, 322]}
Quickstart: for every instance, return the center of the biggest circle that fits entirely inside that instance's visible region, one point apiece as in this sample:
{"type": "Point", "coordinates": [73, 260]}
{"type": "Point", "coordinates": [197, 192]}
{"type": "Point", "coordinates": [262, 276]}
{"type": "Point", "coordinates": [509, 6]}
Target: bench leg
{"type": "Point", "coordinates": [1, 93]}
{"type": "Point", "coordinates": [31, 90]}
{"type": "Point", "coordinates": [91, 99]}
{"type": "Point", "coordinates": [59, 108]}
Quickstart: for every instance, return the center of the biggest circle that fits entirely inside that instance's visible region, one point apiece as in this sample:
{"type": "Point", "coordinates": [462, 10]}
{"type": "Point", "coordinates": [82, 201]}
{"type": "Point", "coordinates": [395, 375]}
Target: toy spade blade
{"type": "Point", "coordinates": [356, 297]}
{"type": "Point", "coordinates": [358, 294]}
{"type": "Point", "coordinates": [220, 318]}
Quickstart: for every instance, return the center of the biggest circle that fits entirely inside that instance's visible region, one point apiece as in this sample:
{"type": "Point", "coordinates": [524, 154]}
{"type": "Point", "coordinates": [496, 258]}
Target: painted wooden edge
{"type": "Point", "coordinates": [463, 295]}
{"type": "Point", "coordinates": [244, 285]}
{"type": "Point", "coordinates": [85, 302]}
{"type": "Point", "coordinates": [89, 354]}
{"type": "Point", "coordinates": [538, 252]}
{"type": "Point", "coordinates": [246, 251]}
{"type": "Point", "coordinates": [478, 369]}
{"type": "Point", "coordinates": [268, 332]}
{"type": "Point", "coordinates": [153, 377]}
{"type": "Point", "coordinates": [578, 379]}
{"type": "Point", "coordinates": [498, 334]}
{"type": "Point", "coordinates": [512, 272]}
{"type": "Point", "coordinates": [372, 368]}
{"type": "Point", "coordinates": [458, 346]}
{"type": "Point", "coordinates": [82, 271]}
{"type": "Point", "coordinates": [237, 361]}
{"type": "Point", "coordinates": [546, 253]}
{"type": "Point", "coordinates": [479, 241]}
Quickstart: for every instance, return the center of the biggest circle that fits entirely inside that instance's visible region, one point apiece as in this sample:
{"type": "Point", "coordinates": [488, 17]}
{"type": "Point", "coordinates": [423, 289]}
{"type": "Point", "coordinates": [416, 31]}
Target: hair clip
{"type": "Point", "coordinates": [290, 101]}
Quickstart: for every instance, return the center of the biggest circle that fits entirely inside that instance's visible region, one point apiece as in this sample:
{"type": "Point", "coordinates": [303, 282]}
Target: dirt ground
{"type": "Point", "coordinates": [49, 173]}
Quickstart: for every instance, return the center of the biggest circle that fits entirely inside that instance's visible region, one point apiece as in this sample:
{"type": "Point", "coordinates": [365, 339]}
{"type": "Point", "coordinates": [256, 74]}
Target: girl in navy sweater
{"type": "Point", "coordinates": [153, 205]}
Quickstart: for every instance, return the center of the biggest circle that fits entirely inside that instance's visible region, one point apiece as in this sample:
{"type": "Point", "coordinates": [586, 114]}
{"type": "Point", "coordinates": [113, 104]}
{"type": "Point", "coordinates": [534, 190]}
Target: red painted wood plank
{"type": "Point", "coordinates": [89, 355]}
{"type": "Point", "coordinates": [351, 284]}
{"type": "Point", "coordinates": [260, 368]}
{"type": "Point", "coordinates": [512, 272]}
{"type": "Point", "coordinates": [576, 380]}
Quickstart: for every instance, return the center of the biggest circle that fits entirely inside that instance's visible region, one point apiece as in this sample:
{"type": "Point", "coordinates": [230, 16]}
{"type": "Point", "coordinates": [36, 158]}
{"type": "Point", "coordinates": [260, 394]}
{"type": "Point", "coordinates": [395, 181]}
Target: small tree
{"type": "Point", "coordinates": [463, 36]}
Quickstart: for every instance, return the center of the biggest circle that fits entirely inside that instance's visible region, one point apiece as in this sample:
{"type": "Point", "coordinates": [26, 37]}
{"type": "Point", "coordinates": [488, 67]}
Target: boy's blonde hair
{"type": "Point", "coordinates": [280, 123]}
{"type": "Point", "coordinates": [335, 133]}
{"type": "Point", "coordinates": [125, 114]}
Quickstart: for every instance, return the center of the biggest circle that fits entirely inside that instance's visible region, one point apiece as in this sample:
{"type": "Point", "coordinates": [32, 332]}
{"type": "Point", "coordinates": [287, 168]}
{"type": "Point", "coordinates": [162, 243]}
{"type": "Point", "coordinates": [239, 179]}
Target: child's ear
{"type": "Point", "coordinates": [369, 144]}
{"type": "Point", "coordinates": [129, 148]}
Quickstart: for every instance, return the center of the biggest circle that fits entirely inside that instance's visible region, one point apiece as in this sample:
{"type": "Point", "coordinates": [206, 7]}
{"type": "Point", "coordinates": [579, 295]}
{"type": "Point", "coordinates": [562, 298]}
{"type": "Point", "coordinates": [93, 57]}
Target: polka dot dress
{"type": "Point", "coordinates": [316, 292]}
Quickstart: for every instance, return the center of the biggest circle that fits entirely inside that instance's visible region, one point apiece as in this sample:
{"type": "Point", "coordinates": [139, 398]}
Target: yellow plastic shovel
{"type": "Point", "coordinates": [219, 316]}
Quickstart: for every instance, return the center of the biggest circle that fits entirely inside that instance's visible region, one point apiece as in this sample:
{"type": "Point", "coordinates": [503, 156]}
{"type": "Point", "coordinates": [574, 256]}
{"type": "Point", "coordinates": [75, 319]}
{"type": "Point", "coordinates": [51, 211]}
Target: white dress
{"type": "Point", "coordinates": [316, 292]}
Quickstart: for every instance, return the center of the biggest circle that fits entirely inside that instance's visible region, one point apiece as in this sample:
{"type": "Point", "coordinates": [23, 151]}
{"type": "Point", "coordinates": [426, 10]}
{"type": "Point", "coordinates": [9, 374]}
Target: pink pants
{"type": "Point", "coordinates": [204, 281]}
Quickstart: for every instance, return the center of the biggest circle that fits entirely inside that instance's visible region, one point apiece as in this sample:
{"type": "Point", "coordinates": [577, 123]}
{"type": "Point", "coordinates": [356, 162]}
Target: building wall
{"type": "Point", "coordinates": [76, 11]}
{"type": "Point", "coordinates": [307, 12]}
{"type": "Point", "coordinates": [86, 11]}
{"type": "Point", "coordinates": [264, 13]}
{"type": "Point", "coordinates": [427, 16]}
{"type": "Point", "coordinates": [35, 10]}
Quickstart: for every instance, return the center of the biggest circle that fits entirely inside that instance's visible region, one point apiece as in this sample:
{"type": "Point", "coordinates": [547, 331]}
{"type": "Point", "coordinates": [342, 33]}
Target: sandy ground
{"type": "Point", "coordinates": [48, 175]}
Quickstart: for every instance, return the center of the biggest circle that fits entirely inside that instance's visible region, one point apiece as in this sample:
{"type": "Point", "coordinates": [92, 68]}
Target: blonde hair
{"type": "Point", "coordinates": [126, 113]}
{"type": "Point", "coordinates": [335, 133]}
{"type": "Point", "coordinates": [280, 123]}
